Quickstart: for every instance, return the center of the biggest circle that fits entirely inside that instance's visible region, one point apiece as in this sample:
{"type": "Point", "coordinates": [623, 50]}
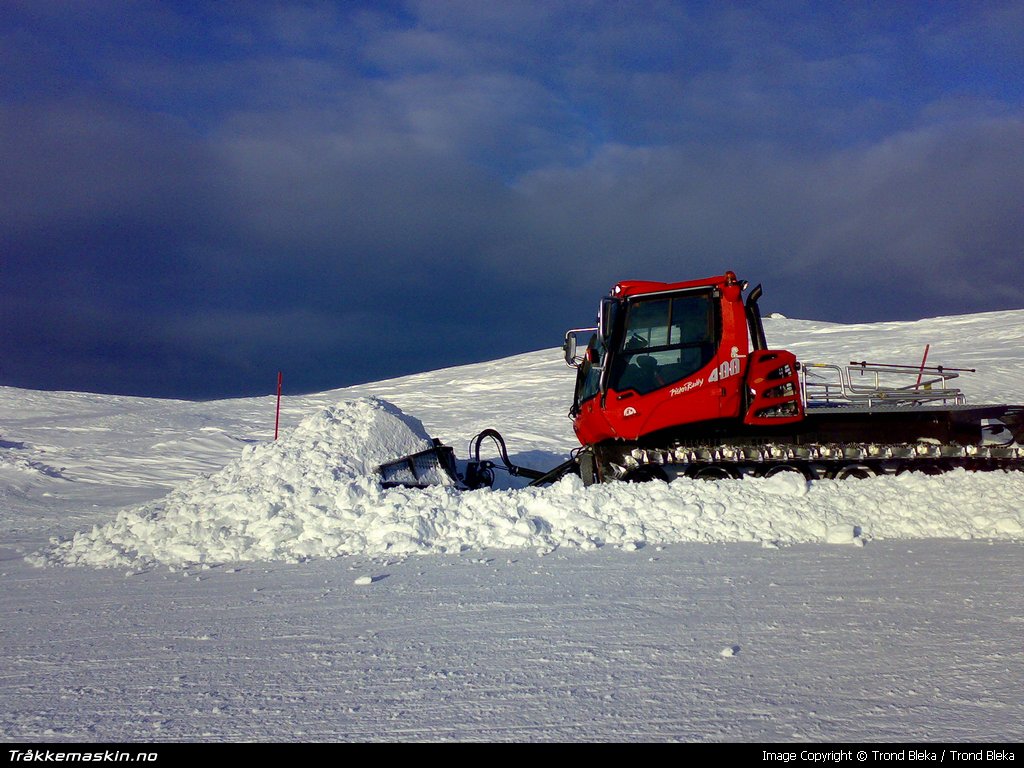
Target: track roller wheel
{"type": "Point", "coordinates": [713, 472]}
{"type": "Point", "coordinates": [770, 470]}
{"type": "Point", "coordinates": [645, 474]}
{"type": "Point", "coordinates": [853, 471]}
{"type": "Point", "coordinates": [587, 468]}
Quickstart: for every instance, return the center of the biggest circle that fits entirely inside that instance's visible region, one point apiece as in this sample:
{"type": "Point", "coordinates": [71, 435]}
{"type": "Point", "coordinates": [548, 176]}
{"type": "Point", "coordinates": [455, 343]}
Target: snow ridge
{"type": "Point", "coordinates": [313, 494]}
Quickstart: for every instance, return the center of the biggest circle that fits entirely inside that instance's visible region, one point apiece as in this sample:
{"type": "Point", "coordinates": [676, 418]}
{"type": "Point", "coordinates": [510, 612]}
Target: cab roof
{"type": "Point", "coordinates": [627, 288]}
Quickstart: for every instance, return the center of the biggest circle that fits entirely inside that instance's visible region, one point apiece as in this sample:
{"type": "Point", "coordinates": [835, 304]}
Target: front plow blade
{"type": "Point", "coordinates": [434, 466]}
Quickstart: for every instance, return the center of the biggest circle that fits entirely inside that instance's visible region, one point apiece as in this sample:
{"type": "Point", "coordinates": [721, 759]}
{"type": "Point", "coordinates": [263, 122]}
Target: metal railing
{"type": "Point", "coordinates": [878, 384]}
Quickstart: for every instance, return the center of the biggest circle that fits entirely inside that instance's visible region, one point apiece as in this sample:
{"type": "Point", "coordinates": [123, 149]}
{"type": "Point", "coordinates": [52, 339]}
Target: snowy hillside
{"type": "Point", "coordinates": [200, 507]}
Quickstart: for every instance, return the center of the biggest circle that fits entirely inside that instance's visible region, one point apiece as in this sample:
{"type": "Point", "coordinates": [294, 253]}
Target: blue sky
{"type": "Point", "coordinates": [197, 195]}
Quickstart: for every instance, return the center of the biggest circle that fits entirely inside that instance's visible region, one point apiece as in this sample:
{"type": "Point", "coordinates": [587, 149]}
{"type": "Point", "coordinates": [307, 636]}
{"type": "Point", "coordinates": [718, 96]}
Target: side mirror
{"type": "Point", "coordinates": [569, 347]}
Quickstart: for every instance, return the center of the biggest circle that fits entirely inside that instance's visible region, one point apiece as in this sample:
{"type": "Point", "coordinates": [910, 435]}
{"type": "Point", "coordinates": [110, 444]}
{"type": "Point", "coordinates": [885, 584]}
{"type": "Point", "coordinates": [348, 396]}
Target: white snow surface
{"type": "Point", "coordinates": [252, 589]}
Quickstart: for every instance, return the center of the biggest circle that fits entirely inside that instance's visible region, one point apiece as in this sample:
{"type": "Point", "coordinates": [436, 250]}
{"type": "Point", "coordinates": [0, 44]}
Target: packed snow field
{"type": "Point", "coordinates": [276, 591]}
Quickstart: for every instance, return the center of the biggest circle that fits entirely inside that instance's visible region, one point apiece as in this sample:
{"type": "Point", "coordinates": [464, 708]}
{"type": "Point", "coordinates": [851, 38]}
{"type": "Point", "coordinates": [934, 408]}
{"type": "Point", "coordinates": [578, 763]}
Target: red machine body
{"type": "Point", "coordinates": [679, 357]}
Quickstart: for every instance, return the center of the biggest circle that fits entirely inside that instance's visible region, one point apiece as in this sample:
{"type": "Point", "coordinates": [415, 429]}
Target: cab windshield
{"type": "Point", "coordinates": [665, 339]}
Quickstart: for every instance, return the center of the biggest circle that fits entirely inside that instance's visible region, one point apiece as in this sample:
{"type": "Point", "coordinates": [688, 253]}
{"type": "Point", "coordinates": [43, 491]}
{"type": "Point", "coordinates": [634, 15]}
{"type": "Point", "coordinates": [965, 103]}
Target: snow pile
{"type": "Point", "coordinates": [314, 494]}
{"type": "Point", "coordinates": [279, 500]}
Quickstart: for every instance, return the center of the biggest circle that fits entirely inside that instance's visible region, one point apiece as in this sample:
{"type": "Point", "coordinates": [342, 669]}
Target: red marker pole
{"type": "Point", "coordinates": [277, 416]}
{"type": "Point", "coordinates": [923, 361]}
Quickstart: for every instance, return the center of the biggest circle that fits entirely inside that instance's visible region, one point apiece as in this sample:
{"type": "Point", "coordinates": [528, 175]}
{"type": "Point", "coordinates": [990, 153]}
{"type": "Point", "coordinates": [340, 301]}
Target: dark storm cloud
{"type": "Point", "coordinates": [195, 197]}
{"type": "Point", "coordinates": [928, 221]}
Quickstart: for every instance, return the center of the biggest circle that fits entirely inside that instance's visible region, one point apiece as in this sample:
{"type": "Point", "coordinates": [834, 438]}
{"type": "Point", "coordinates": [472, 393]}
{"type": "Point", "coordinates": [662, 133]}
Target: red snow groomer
{"type": "Point", "coordinates": [677, 378]}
